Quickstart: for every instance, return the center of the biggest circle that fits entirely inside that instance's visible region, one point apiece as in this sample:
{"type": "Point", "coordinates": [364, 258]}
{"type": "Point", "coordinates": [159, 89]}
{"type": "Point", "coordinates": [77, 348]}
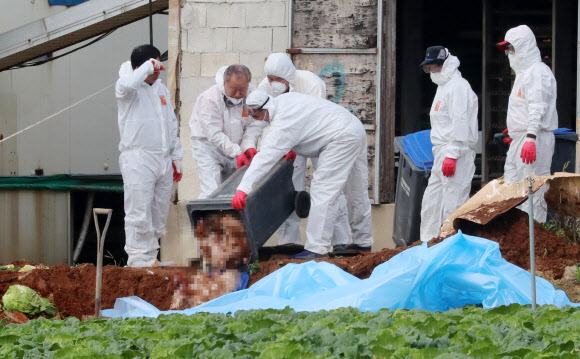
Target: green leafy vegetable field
{"type": "Point", "coordinates": [505, 332]}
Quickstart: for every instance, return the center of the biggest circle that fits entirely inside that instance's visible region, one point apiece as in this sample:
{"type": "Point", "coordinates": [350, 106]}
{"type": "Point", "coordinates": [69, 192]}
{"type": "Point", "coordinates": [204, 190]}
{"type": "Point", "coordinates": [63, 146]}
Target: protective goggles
{"type": "Point", "coordinates": [255, 112]}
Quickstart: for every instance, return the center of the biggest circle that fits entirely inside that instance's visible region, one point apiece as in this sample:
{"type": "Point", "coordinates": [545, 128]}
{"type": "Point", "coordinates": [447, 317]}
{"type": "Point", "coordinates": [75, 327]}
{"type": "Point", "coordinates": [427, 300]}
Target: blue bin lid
{"type": "Point", "coordinates": [564, 131]}
{"type": "Point", "coordinates": [419, 147]}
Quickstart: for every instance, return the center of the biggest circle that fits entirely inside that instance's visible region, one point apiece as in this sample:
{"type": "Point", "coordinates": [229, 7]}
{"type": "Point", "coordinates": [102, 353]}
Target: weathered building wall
{"type": "Point", "coordinates": [343, 36]}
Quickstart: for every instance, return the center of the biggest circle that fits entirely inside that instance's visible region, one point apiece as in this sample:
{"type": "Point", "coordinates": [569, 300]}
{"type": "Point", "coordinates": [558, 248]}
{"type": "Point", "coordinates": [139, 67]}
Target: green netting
{"type": "Point", "coordinates": [61, 183]}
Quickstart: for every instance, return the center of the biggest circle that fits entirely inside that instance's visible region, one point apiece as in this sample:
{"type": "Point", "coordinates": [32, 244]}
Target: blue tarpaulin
{"type": "Point", "coordinates": [418, 146]}
{"type": "Point", "coordinates": [459, 271]}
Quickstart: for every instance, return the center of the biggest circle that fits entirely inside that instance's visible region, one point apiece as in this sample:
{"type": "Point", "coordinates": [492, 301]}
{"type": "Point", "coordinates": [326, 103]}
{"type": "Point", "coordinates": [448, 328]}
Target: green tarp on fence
{"type": "Point", "coordinates": [61, 183]}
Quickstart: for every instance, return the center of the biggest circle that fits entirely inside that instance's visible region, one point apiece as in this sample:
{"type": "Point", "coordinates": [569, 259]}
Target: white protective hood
{"type": "Point", "coordinates": [126, 69]}
{"type": "Point", "coordinates": [219, 79]}
{"type": "Point", "coordinates": [280, 65]}
{"type": "Point", "coordinates": [526, 50]}
{"type": "Point", "coordinates": [450, 67]}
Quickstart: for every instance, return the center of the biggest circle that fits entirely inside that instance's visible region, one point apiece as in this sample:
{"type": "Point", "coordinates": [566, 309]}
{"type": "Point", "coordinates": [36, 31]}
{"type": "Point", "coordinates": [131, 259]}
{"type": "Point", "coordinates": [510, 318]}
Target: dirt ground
{"type": "Point", "coordinates": [71, 289]}
{"type": "Point", "coordinates": [511, 231]}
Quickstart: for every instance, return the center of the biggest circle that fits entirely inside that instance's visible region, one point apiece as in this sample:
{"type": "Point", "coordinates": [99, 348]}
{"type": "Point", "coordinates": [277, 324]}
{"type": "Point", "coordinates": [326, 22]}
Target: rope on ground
{"type": "Point", "coordinates": [55, 114]}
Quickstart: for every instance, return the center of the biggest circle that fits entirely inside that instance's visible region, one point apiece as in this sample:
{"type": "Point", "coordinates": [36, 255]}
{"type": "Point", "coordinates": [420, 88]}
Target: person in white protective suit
{"type": "Point", "coordinates": [313, 127]}
{"type": "Point", "coordinates": [151, 153]}
{"type": "Point", "coordinates": [454, 136]}
{"type": "Point", "coordinates": [282, 77]}
{"type": "Point", "coordinates": [223, 137]}
{"type": "Point", "coordinates": [531, 116]}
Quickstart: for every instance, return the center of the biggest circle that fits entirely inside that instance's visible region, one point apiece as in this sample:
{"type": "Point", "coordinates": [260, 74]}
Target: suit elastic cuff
{"type": "Point", "coordinates": [245, 146]}
{"type": "Point", "coordinates": [244, 189]}
{"type": "Point", "coordinates": [532, 131]}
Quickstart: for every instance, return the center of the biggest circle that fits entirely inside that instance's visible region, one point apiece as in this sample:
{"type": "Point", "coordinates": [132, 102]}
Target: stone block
{"type": "Point", "coordinates": [190, 64]}
{"type": "Point", "coordinates": [226, 15]}
{"type": "Point", "coordinates": [212, 62]}
{"type": "Point", "coordinates": [193, 15]}
{"type": "Point", "coordinates": [207, 40]}
{"type": "Point", "coordinates": [265, 14]}
{"type": "Point", "coordinates": [252, 40]}
{"type": "Point", "coordinates": [280, 39]}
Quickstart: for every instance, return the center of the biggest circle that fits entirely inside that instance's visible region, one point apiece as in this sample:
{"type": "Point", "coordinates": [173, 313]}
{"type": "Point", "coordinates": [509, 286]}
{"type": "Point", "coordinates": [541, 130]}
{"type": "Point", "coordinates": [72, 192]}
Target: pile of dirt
{"type": "Point", "coordinates": [511, 231]}
{"type": "Point", "coordinates": [72, 290]}
{"type": "Point", "coordinates": [360, 266]}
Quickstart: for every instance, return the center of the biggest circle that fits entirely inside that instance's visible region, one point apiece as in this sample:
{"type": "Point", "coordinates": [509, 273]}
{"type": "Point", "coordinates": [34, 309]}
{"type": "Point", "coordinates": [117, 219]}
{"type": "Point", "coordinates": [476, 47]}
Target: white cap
{"type": "Point", "coordinates": [258, 99]}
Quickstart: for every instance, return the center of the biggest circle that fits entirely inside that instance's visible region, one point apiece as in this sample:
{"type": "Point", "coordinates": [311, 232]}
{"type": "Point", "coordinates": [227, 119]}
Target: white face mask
{"type": "Point", "coordinates": [514, 63]}
{"type": "Point", "coordinates": [278, 88]}
{"type": "Point", "coordinates": [235, 101]}
{"type": "Point", "coordinates": [437, 78]}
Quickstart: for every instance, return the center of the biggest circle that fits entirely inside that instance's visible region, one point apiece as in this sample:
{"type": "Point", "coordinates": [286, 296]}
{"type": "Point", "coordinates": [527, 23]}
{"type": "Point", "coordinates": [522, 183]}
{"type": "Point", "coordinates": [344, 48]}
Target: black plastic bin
{"type": "Point", "coordinates": [271, 202]}
{"type": "Point", "coordinates": [411, 184]}
{"type": "Point", "coordinates": [564, 151]}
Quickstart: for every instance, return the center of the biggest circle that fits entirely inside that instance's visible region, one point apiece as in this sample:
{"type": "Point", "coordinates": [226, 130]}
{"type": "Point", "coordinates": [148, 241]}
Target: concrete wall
{"type": "Point", "coordinates": [216, 33]}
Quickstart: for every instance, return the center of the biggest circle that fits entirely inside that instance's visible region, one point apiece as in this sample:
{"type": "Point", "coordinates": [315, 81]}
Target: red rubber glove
{"type": "Point", "coordinates": [157, 65]}
{"type": "Point", "coordinates": [291, 156]}
{"type": "Point", "coordinates": [250, 153]}
{"type": "Point", "coordinates": [448, 166]}
{"type": "Point", "coordinates": [507, 139]}
{"type": "Point", "coordinates": [528, 154]}
{"type": "Point", "coordinates": [242, 160]}
{"type": "Point", "coordinates": [239, 200]}
{"type": "Point", "coordinates": [177, 171]}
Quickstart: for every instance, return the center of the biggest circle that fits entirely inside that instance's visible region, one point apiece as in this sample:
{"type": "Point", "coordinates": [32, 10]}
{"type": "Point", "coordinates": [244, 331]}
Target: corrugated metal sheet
{"type": "Point", "coordinates": [35, 226]}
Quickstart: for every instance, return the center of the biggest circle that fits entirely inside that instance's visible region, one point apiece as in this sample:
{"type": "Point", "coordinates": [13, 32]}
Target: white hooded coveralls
{"type": "Point", "coordinates": [149, 142]}
{"type": "Point", "coordinates": [219, 133]}
{"type": "Point", "coordinates": [531, 110]}
{"type": "Point", "coordinates": [453, 134]}
{"type": "Point", "coordinates": [304, 82]}
{"type": "Point", "coordinates": [314, 127]}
